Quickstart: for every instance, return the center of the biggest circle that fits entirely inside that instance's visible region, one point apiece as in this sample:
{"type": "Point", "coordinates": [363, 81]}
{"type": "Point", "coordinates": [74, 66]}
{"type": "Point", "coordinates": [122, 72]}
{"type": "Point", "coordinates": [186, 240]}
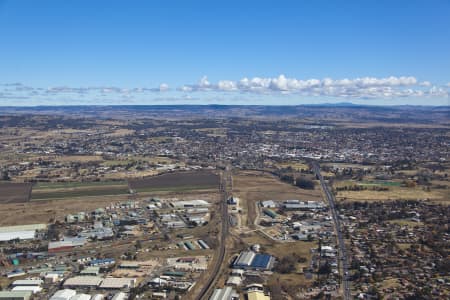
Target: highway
{"type": "Point", "coordinates": [226, 183]}
{"type": "Point", "coordinates": [342, 251]}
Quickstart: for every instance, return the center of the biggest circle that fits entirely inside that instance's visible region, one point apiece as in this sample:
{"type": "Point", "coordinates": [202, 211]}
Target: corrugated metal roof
{"type": "Point", "coordinates": [28, 282]}
{"type": "Point", "coordinates": [81, 297]}
{"type": "Point", "coordinates": [15, 294]}
{"type": "Point", "coordinates": [257, 295]}
{"type": "Point", "coordinates": [30, 227]}
{"type": "Point", "coordinates": [12, 235]}
{"type": "Point", "coordinates": [117, 283]}
{"type": "Point", "coordinates": [83, 281]}
{"type": "Point", "coordinates": [65, 294]}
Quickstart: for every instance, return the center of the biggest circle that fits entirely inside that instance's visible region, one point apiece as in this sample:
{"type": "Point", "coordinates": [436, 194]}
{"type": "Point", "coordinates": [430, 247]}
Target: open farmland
{"type": "Point", "coordinates": [15, 192]}
{"type": "Point", "coordinates": [60, 190]}
{"type": "Point", "coordinates": [392, 191]}
{"type": "Point", "coordinates": [176, 182]}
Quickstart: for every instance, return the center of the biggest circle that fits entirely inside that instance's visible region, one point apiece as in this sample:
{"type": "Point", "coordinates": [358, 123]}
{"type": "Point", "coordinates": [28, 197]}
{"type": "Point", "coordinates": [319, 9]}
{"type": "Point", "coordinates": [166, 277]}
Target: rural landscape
{"type": "Point", "coordinates": [223, 208]}
{"type": "Point", "coordinates": [224, 150]}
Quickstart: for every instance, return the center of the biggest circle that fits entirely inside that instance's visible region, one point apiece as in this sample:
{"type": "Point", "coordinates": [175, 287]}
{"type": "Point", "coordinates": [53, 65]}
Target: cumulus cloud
{"type": "Point", "coordinates": [354, 88]}
{"type": "Point", "coordinates": [363, 87]}
{"type": "Point", "coordinates": [163, 87]}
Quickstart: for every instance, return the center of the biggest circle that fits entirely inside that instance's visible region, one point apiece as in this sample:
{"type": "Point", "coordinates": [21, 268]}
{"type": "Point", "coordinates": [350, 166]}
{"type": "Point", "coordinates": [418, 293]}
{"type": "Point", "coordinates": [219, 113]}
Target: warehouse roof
{"type": "Point", "coordinates": [190, 203]}
{"type": "Point", "coordinates": [117, 283]}
{"type": "Point", "coordinates": [261, 261]}
{"type": "Point", "coordinates": [257, 295]}
{"type": "Point", "coordinates": [90, 270]}
{"type": "Point", "coordinates": [28, 282]}
{"type": "Point", "coordinates": [227, 293]}
{"type": "Point", "coordinates": [83, 281]}
{"type": "Point", "coordinates": [30, 227]}
{"type": "Point", "coordinates": [15, 294]}
{"type": "Point", "coordinates": [65, 294]}
{"type": "Point", "coordinates": [81, 297]}
{"type": "Point", "coordinates": [32, 288]}
{"type": "Point", "coordinates": [23, 235]}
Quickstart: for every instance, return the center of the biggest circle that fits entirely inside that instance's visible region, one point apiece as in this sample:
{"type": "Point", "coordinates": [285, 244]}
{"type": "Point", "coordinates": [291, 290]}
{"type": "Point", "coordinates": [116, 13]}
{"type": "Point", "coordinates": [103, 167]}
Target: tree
{"type": "Point", "coordinates": [304, 183]}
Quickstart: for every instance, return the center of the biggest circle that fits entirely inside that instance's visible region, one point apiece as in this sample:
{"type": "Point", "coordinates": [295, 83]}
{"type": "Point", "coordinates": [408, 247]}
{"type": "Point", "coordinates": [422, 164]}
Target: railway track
{"type": "Point", "coordinates": [342, 251]}
{"type": "Point", "coordinates": [225, 190]}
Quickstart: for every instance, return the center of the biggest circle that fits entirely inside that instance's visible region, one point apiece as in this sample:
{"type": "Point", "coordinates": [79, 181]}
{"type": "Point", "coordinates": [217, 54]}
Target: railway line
{"type": "Point", "coordinates": [225, 190]}
{"type": "Point", "coordinates": [341, 244]}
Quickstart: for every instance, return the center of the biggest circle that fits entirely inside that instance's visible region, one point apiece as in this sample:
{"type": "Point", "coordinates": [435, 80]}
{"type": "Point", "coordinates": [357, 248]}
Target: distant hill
{"type": "Point", "coordinates": [332, 112]}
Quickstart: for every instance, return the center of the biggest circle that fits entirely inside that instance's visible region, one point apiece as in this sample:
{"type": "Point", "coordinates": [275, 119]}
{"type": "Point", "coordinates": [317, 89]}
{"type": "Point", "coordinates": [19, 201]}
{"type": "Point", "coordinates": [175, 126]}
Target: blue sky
{"type": "Point", "coordinates": [228, 52]}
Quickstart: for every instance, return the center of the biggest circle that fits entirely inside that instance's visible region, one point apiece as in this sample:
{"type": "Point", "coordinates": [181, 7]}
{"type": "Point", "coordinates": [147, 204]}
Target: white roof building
{"type": "Point", "coordinates": [189, 203]}
{"type": "Point", "coordinates": [83, 281]}
{"type": "Point", "coordinates": [28, 282]}
{"type": "Point", "coordinates": [32, 288]}
{"type": "Point", "coordinates": [81, 297]}
{"type": "Point", "coordinates": [120, 296]}
{"type": "Point", "coordinates": [23, 232]}
{"type": "Point", "coordinates": [65, 294]}
{"type": "Point", "coordinates": [268, 204]}
{"type": "Point", "coordinates": [117, 283]}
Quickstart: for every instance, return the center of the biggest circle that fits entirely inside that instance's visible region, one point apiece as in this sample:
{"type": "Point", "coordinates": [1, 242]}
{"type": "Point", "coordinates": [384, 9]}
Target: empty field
{"type": "Point", "coordinates": [176, 182]}
{"type": "Point", "coordinates": [394, 193]}
{"type": "Point", "coordinates": [252, 187]}
{"type": "Point", "coordinates": [15, 192]}
{"type": "Point", "coordinates": [63, 190]}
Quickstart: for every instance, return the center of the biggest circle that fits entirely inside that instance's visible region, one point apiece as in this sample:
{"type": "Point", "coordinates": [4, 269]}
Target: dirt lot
{"type": "Point", "coordinates": [196, 180]}
{"type": "Point", "coordinates": [394, 192]}
{"type": "Point", "coordinates": [254, 186]}
{"type": "Point", "coordinates": [15, 192]}
{"type": "Point", "coordinates": [42, 211]}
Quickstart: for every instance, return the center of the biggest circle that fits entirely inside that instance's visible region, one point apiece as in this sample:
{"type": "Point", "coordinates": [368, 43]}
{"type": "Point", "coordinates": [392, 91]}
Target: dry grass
{"type": "Point", "coordinates": [253, 186]}
{"type": "Point", "coordinates": [78, 158]}
{"type": "Point", "coordinates": [42, 211]}
{"type": "Point", "coordinates": [404, 222]}
{"type": "Point", "coordinates": [294, 165]}
{"type": "Point", "coordinates": [394, 193]}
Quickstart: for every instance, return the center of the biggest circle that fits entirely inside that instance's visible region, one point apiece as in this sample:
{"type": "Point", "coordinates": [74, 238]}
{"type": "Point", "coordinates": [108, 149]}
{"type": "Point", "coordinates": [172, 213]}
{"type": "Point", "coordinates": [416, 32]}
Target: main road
{"type": "Point", "coordinates": [337, 225]}
{"type": "Point", "coordinates": [225, 190]}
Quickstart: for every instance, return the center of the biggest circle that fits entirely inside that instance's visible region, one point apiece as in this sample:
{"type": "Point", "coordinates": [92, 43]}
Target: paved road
{"type": "Point", "coordinates": [226, 182]}
{"type": "Point", "coordinates": [342, 252]}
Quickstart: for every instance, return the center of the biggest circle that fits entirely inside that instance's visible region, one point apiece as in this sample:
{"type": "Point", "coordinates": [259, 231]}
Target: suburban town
{"type": "Point", "coordinates": [107, 207]}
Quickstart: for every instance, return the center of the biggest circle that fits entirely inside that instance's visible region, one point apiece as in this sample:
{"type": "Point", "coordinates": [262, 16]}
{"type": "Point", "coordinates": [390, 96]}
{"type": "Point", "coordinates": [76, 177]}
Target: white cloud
{"type": "Point", "coordinates": [363, 87]}
{"type": "Point", "coordinates": [353, 88]}
{"type": "Point", "coordinates": [163, 87]}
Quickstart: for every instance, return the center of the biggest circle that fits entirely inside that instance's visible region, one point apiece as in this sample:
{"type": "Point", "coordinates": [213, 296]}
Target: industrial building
{"type": "Point", "coordinates": [66, 244]}
{"type": "Point", "coordinates": [30, 288]}
{"type": "Point", "coordinates": [65, 294]}
{"type": "Point", "coordinates": [22, 232]}
{"type": "Point", "coordinates": [81, 297]}
{"type": "Point", "coordinates": [90, 271]}
{"type": "Point", "coordinates": [251, 260]}
{"type": "Point", "coordinates": [82, 282]}
{"type": "Point", "coordinates": [189, 204]}
{"type": "Point", "coordinates": [227, 293]}
{"type": "Point", "coordinates": [120, 296]}
{"type": "Point", "coordinates": [28, 282]}
{"type": "Point", "coordinates": [268, 204]}
{"type": "Point", "coordinates": [15, 295]}
{"type": "Point", "coordinates": [302, 205]}
{"type": "Point", "coordinates": [117, 283]}
{"type": "Point", "coordinates": [256, 295]}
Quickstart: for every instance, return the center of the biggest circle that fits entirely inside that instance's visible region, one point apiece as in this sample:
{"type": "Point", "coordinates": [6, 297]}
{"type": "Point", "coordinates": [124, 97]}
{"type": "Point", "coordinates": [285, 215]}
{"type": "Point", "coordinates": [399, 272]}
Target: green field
{"type": "Point", "coordinates": [62, 185]}
{"type": "Point", "coordinates": [175, 189]}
